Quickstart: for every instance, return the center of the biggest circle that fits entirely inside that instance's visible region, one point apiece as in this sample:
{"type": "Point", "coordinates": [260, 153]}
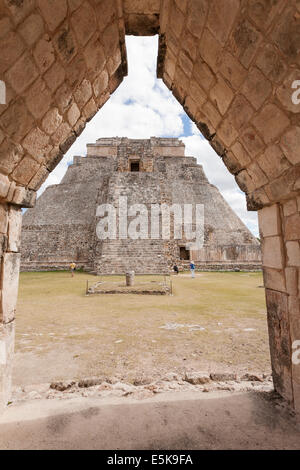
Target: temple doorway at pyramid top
{"type": "Point", "coordinates": [235, 68]}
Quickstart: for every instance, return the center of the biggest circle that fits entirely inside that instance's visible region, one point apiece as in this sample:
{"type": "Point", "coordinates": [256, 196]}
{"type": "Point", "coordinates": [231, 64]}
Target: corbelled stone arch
{"type": "Point", "coordinates": [234, 67]}
{"type": "Point", "coordinates": [60, 61]}
{"type": "Point", "coordinates": [230, 64]}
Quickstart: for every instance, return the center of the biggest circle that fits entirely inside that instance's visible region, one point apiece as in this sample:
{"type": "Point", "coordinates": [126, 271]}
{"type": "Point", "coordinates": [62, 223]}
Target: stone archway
{"type": "Point", "coordinates": [231, 67]}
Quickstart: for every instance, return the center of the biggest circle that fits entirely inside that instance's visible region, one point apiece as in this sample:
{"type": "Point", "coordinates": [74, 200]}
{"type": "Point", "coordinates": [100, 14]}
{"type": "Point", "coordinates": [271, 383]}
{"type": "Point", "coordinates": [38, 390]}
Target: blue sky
{"type": "Point", "coordinates": [143, 107]}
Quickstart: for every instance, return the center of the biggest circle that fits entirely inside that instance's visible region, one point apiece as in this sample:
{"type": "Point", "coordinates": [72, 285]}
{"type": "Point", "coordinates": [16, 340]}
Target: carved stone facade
{"type": "Point", "coordinates": [231, 64]}
{"type": "Point", "coordinates": [62, 226]}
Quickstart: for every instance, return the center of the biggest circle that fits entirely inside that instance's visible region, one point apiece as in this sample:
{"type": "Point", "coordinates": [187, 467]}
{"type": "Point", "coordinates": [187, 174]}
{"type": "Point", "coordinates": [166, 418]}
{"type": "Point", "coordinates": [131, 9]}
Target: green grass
{"type": "Point", "coordinates": [62, 333]}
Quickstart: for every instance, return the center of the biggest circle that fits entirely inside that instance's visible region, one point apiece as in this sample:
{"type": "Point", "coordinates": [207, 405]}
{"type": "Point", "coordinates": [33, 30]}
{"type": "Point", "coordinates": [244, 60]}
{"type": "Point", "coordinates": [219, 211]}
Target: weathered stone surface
{"type": "Point", "coordinates": [274, 279]}
{"type": "Point", "coordinates": [290, 143]}
{"type": "Point", "coordinates": [54, 12]}
{"type": "Point", "coordinates": [22, 74]}
{"type": "Point", "coordinates": [7, 341]}
{"type": "Point", "coordinates": [32, 28]}
{"type": "Point", "coordinates": [14, 229]}
{"type": "Point", "coordinates": [269, 221]}
{"type": "Point", "coordinates": [273, 122]}
{"type": "Point", "coordinates": [272, 253]}
{"type": "Point", "coordinates": [293, 253]}
{"type": "Point", "coordinates": [10, 282]}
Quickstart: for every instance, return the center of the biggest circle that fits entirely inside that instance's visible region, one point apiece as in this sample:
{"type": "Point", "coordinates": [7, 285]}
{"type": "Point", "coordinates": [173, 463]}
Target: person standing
{"type": "Point", "coordinates": [72, 268]}
{"type": "Point", "coordinates": [192, 268]}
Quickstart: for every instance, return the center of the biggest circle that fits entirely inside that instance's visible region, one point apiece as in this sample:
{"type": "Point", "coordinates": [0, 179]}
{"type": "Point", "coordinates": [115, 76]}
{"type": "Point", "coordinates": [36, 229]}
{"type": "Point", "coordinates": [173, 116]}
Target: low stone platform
{"type": "Point", "coordinates": [140, 287]}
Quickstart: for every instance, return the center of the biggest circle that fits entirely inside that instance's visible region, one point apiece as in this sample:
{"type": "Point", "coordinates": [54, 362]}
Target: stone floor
{"type": "Point", "coordinates": [187, 420]}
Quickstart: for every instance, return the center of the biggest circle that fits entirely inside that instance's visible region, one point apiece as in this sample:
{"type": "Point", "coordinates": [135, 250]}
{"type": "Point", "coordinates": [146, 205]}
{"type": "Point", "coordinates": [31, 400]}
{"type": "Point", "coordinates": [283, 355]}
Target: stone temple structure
{"type": "Point", "coordinates": [63, 225]}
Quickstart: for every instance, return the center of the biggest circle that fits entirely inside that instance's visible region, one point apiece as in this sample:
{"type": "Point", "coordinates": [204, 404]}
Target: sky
{"type": "Point", "coordinates": [143, 107]}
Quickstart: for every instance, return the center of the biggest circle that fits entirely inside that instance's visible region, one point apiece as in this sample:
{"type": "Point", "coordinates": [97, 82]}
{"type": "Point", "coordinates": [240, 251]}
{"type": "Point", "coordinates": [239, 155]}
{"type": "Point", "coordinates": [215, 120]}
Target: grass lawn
{"type": "Point", "coordinates": [216, 321]}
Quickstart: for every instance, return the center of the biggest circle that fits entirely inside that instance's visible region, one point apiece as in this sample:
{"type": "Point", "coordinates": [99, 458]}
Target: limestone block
{"type": "Point", "coordinates": [101, 83]}
{"type": "Point", "coordinates": [257, 200]}
{"type": "Point", "coordinates": [176, 21]}
{"type": "Point", "coordinates": [292, 227]}
{"type": "Point", "coordinates": [203, 74]}
{"type": "Point", "coordinates": [84, 23]}
{"type": "Point", "coordinates": [3, 218]}
{"type": "Point", "coordinates": [55, 76]}
{"type": "Point", "coordinates": [271, 63]}
{"type": "Point", "coordinates": [90, 109]}
{"type": "Point", "coordinates": [256, 88]}
{"type": "Point", "coordinates": [4, 185]}
{"type": "Point", "coordinates": [61, 133]}
{"type": "Point", "coordinates": [197, 12]}
{"type": "Point", "coordinates": [227, 132]}
{"type": "Point", "coordinates": [10, 282]}
{"type": "Point", "coordinates": [286, 32]}
{"type": "Point", "coordinates": [32, 28]}
{"type": "Point", "coordinates": [53, 11]}
{"type": "Point", "coordinates": [279, 338]}
{"type": "Point", "coordinates": [269, 221]}
{"type": "Point", "coordinates": [106, 12]}
{"type": "Point", "coordinates": [25, 170]}
{"type": "Point", "coordinates": [52, 120]}
{"type": "Point", "coordinates": [290, 144]}
{"type": "Point", "coordinates": [23, 197]}
{"type": "Point", "coordinates": [231, 69]}
{"type": "Point", "coordinates": [94, 56]}
{"type": "Point", "coordinates": [272, 253]}
{"type": "Point", "coordinates": [210, 49]}
{"type": "Point", "coordinates": [212, 114]}
{"type": "Point", "coordinates": [271, 122]}
{"type": "Point", "coordinates": [274, 279]}
{"type": "Point", "coordinates": [36, 143]}
{"type": "Point", "coordinates": [251, 141]}
{"type": "Point", "coordinates": [189, 45]}
{"type": "Point", "coordinates": [73, 114]}
{"type": "Point", "coordinates": [14, 229]}
{"type": "Point", "coordinates": [257, 175]}
{"type": "Point", "coordinates": [39, 178]}
{"type": "Point", "coordinates": [290, 207]}
{"type": "Point", "coordinates": [11, 48]}
{"type": "Point", "coordinates": [273, 162]}
{"type": "Point", "coordinates": [110, 39]}
{"type": "Point", "coordinates": [7, 339]}
{"type": "Point", "coordinates": [38, 99]}
{"type": "Point", "coordinates": [240, 154]}
{"type": "Point", "coordinates": [20, 10]}
{"type": "Point", "coordinates": [222, 95]}
{"type": "Point", "coordinates": [293, 253]}
{"type": "Point", "coordinates": [16, 120]}
{"type": "Point", "coordinates": [221, 17]}
{"type": "Point", "coordinates": [44, 53]}
{"type": "Point", "coordinates": [244, 181]}
{"type": "Point", "coordinates": [22, 73]}
{"type": "Point", "coordinates": [284, 186]}
{"type": "Point", "coordinates": [245, 40]}
{"type": "Point", "coordinates": [65, 43]}
{"type": "Point", "coordinates": [83, 93]}
{"type": "Point", "coordinates": [291, 276]}
{"type": "Point", "coordinates": [64, 97]}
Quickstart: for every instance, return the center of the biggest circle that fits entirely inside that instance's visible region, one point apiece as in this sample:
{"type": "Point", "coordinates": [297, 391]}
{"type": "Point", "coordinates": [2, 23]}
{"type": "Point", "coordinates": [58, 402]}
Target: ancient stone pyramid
{"type": "Point", "coordinates": [63, 225]}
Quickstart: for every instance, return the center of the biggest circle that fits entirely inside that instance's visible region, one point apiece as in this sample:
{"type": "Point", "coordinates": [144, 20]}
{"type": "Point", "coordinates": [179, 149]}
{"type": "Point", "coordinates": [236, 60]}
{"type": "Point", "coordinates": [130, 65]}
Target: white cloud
{"type": "Point", "coordinates": [142, 107]}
